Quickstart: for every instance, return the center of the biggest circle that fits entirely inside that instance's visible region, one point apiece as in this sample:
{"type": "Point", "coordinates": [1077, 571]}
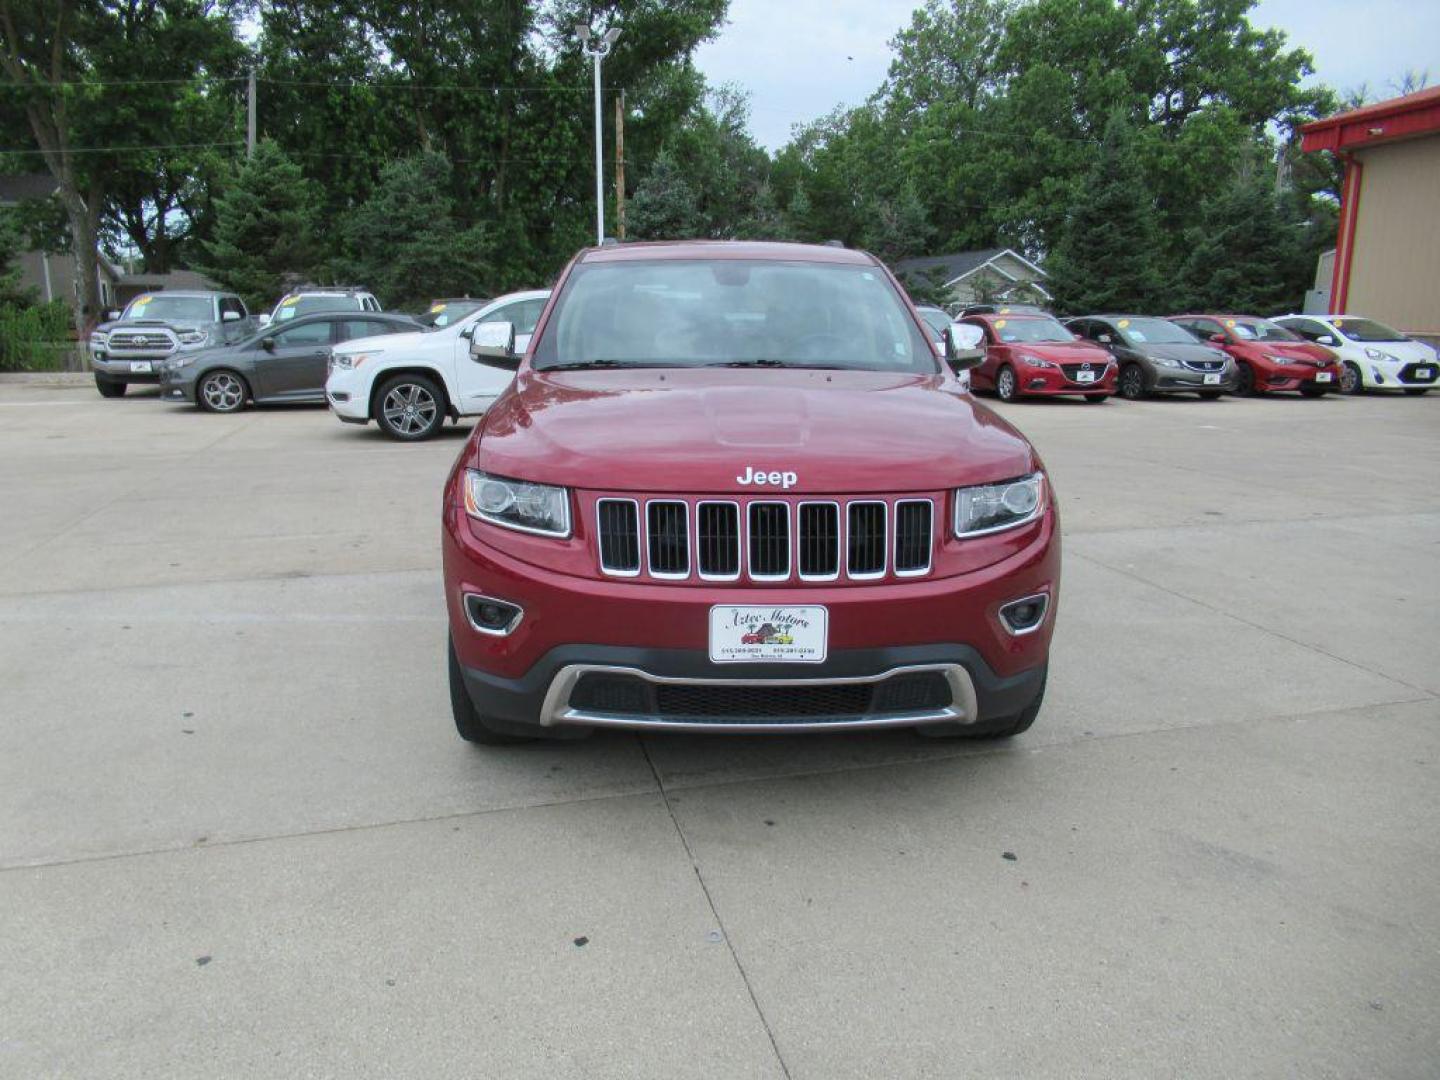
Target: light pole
{"type": "Point", "coordinates": [597, 48]}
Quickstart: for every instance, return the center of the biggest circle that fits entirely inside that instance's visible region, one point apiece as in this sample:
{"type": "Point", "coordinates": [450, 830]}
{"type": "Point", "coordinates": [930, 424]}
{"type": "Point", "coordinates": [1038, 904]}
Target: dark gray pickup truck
{"type": "Point", "coordinates": [135, 345]}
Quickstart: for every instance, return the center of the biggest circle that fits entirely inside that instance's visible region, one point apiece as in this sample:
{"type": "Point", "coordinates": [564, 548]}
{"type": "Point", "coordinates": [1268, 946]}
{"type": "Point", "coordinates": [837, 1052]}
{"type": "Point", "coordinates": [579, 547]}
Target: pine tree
{"type": "Point", "coordinates": [665, 206]}
{"type": "Point", "coordinates": [265, 227]}
{"type": "Point", "coordinates": [1107, 257]}
{"type": "Point", "coordinates": [1242, 253]}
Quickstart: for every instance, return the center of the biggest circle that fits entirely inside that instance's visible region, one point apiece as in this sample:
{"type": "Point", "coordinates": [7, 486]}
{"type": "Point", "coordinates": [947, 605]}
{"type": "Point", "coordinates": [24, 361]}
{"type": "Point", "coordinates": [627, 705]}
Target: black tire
{"type": "Point", "coordinates": [410, 408]}
{"type": "Point", "coordinates": [1132, 382]}
{"type": "Point", "coordinates": [110, 388]}
{"type": "Point", "coordinates": [1351, 381]}
{"type": "Point", "coordinates": [1417, 390]}
{"type": "Point", "coordinates": [1002, 728]}
{"type": "Point", "coordinates": [1007, 384]}
{"type": "Point", "coordinates": [1244, 380]}
{"type": "Point", "coordinates": [1210, 395]}
{"type": "Point", "coordinates": [1313, 390]}
{"type": "Point", "coordinates": [469, 723]}
{"type": "Point", "coordinates": [222, 391]}
{"type": "Point", "coordinates": [1097, 399]}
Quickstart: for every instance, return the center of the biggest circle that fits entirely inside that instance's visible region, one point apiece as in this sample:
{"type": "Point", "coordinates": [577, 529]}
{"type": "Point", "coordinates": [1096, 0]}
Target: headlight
{"type": "Point", "coordinates": [1376, 354]}
{"type": "Point", "coordinates": [1278, 359]}
{"type": "Point", "coordinates": [346, 361]}
{"type": "Point", "coordinates": [1034, 361]}
{"type": "Point", "coordinates": [993, 507]}
{"type": "Point", "coordinates": [193, 339]}
{"type": "Point", "coordinates": [515, 504]}
{"type": "Point", "coordinates": [1164, 361]}
{"type": "Point", "coordinates": [181, 361]}
{"type": "Point", "coordinates": [99, 340]}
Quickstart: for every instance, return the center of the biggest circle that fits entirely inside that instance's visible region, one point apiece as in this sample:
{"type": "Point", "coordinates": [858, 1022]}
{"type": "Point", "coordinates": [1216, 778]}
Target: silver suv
{"type": "Point", "coordinates": [133, 345]}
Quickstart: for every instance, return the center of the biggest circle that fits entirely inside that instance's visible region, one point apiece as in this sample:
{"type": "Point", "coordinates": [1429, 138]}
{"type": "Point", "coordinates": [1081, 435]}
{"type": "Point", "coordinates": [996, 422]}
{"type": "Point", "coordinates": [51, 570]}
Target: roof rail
{"type": "Point", "coordinates": [329, 288]}
{"type": "Point", "coordinates": [835, 243]}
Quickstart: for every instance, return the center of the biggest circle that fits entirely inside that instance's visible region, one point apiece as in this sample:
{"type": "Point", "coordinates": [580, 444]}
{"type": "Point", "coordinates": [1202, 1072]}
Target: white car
{"type": "Point", "coordinates": [409, 383]}
{"type": "Point", "coordinates": [313, 299]}
{"type": "Point", "coordinates": [1372, 356]}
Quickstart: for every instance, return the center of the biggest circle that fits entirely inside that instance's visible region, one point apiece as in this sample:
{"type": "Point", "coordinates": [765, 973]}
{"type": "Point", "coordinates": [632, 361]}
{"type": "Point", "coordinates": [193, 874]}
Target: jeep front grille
{"type": "Point", "coordinates": [766, 539]}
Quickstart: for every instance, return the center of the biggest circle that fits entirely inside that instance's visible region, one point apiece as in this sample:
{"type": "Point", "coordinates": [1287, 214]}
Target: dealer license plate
{"type": "Point", "coordinates": [1424, 373]}
{"type": "Point", "coordinates": [1084, 376]}
{"type": "Point", "coordinates": [137, 366]}
{"type": "Point", "coordinates": [1322, 376]}
{"type": "Point", "coordinates": [741, 635]}
{"type": "Point", "coordinates": [1212, 380]}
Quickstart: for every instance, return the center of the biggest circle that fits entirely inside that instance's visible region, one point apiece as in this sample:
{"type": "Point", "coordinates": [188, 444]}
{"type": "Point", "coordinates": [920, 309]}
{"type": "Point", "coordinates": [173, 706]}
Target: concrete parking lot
{"type": "Point", "coordinates": [239, 837]}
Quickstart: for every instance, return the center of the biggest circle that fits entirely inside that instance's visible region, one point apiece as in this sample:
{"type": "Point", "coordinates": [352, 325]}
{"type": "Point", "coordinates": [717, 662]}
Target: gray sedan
{"type": "Point", "coordinates": [286, 363]}
{"type": "Point", "coordinates": [1158, 357]}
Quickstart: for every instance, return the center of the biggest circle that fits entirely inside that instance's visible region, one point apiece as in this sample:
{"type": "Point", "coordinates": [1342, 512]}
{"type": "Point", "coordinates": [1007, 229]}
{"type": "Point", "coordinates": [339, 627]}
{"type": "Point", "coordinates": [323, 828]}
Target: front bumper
{"type": "Point", "coordinates": [658, 633]}
{"type": "Point", "coordinates": [130, 369]}
{"type": "Point", "coordinates": [347, 392]}
{"type": "Point", "coordinates": [1185, 381]}
{"type": "Point", "coordinates": [1045, 382]}
{"type": "Point", "coordinates": [177, 384]}
{"type": "Point", "coordinates": [1281, 379]}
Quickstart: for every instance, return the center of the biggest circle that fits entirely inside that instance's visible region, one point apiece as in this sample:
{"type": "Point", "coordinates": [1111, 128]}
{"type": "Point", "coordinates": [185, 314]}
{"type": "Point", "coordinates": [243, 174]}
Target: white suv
{"type": "Point", "coordinates": [1372, 356]}
{"type": "Point", "coordinates": [409, 383]}
{"type": "Point", "coordinates": [313, 299]}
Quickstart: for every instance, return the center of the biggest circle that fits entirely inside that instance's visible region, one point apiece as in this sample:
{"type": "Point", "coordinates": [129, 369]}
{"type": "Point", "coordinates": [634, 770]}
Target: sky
{"type": "Point", "coordinates": [799, 59]}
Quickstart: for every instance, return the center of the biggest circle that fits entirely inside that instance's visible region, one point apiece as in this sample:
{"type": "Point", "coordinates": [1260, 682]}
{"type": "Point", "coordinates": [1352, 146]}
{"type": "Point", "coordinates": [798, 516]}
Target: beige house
{"type": "Point", "coordinates": [1387, 255]}
{"type": "Point", "coordinates": [993, 275]}
{"type": "Point", "coordinates": [52, 275]}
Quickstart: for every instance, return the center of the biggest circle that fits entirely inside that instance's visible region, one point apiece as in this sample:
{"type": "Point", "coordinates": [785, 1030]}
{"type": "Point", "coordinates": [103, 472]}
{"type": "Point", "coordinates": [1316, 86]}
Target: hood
{"type": "Point", "coordinates": [1294, 350]}
{"type": "Point", "coordinates": [150, 324]}
{"type": "Point", "coordinates": [702, 431]}
{"type": "Point", "coordinates": [1180, 350]}
{"type": "Point", "coordinates": [1063, 352]}
{"type": "Point", "coordinates": [406, 340]}
{"type": "Point", "coordinates": [1411, 352]}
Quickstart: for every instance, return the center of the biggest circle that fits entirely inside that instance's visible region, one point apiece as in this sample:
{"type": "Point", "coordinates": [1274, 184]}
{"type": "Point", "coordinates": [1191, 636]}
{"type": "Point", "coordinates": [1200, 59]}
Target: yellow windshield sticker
{"type": "Point", "coordinates": [1230, 323]}
{"type": "Point", "coordinates": [290, 301]}
{"type": "Point", "coordinates": [436, 307]}
{"type": "Point", "coordinates": [1339, 323]}
{"type": "Point", "coordinates": [1123, 323]}
{"type": "Point", "coordinates": [1004, 311]}
{"type": "Point", "coordinates": [141, 301]}
{"type": "Point", "coordinates": [999, 324]}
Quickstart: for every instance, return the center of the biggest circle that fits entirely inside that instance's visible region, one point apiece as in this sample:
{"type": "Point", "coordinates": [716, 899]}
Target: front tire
{"type": "Point", "coordinates": [1351, 381]}
{"type": "Point", "coordinates": [1244, 380]}
{"type": "Point", "coordinates": [110, 388]}
{"type": "Point", "coordinates": [410, 408]}
{"type": "Point", "coordinates": [1132, 382]}
{"type": "Point", "coordinates": [470, 724]}
{"type": "Point", "coordinates": [221, 392]}
{"type": "Point", "coordinates": [1007, 387]}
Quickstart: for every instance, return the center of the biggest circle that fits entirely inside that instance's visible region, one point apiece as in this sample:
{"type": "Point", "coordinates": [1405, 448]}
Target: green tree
{"type": "Point", "coordinates": [404, 241]}
{"type": "Point", "coordinates": [665, 206]}
{"type": "Point", "coordinates": [12, 294]}
{"type": "Point", "coordinates": [1106, 258]}
{"type": "Point", "coordinates": [265, 227]}
{"type": "Point", "coordinates": [1243, 253]}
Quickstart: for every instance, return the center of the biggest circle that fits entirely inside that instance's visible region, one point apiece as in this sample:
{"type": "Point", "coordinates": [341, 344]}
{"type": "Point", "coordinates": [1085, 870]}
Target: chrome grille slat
{"type": "Point", "coordinates": [913, 531]}
{"type": "Point", "coordinates": [865, 527]}
{"type": "Point", "coordinates": [717, 540]}
{"type": "Point", "coordinates": [769, 540]}
{"type": "Point", "coordinates": [819, 533]}
{"type": "Point", "coordinates": [668, 538]}
{"type": "Point", "coordinates": [618, 531]}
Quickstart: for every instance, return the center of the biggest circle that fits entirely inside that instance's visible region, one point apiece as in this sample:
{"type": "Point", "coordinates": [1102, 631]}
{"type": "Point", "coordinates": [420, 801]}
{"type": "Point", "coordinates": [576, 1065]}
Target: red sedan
{"type": "Point", "coordinates": [1268, 357]}
{"type": "Point", "coordinates": [1034, 355]}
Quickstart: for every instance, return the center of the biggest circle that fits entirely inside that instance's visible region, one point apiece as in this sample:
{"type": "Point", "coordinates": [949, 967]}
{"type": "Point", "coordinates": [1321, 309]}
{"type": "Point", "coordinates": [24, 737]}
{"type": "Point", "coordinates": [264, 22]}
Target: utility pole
{"type": "Point", "coordinates": [597, 48]}
{"type": "Point", "coordinates": [620, 165]}
{"type": "Point", "coordinates": [250, 118]}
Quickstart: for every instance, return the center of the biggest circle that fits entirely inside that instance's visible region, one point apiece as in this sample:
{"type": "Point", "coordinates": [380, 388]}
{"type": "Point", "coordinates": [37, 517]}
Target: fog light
{"type": "Point", "coordinates": [1025, 616]}
{"type": "Point", "coordinates": [336, 395]}
{"type": "Point", "coordinates": [490, 616]}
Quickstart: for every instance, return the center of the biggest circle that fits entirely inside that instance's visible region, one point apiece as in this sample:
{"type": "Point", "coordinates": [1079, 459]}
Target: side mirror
{"type": "Point", "coordinates": [265, 319]}
{"type": "Point", "coordinates": [964, 346]}
{"type": "Point", "coordinates": [230, 316]}
{"type": "Point", "coordinates": [268, 344]}
{"type": "Point", "coordinates": [111, 315]}
{"type": "Point", "coordinates": [1217, 337]}
{"type": "Point", "coordinates": [1325, 339]}
{"type": "Point", "coordinates": [494, 344]}
{"type": "Point", "coordinates": [1104, 339]}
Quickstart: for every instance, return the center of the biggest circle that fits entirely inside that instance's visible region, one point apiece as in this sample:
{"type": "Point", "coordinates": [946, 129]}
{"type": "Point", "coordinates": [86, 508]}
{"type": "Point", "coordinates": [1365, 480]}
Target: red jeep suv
{"type": "Point", "coordinates": [1036, 355]}
{"type": "Point", "coordinates": [733, 488]}
{"type": "Point", "coordinates": [1268, 357]}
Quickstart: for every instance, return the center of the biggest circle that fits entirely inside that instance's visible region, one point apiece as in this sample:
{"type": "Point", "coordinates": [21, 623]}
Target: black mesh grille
{"type": "Point", "coordinates": [763, 702]}
{"type": "Point", "coordinates": [611, 693]}
{"type": "Point", "coordinates": [867, 538]}
{"type": "Point", "coordinates": [819, 539]}
{"type": "Point", "coordinates": [769, 540]}
{"type": "Point", "coordinates": [619, 536]}
{"type": "Point", "coordinates": [1072, 371]}
{"type": "Point", "coordinates": [912, 536]}
{"type": "Point", "coordinates": [1204, 365]}
{"type": "Point", "coordinates": [668, 537]}
{"type": "Point", "coordinates": [718, 539]}
{"type": "Point", "coordinates": [911, 693]}
{"type": "Point", "coordinates": [1410, 373]}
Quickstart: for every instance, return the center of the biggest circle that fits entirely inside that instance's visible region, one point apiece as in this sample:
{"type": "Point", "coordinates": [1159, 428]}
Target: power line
{"type": "Point", "coordinates": [122, 149]}
{"type": "Point", "coordinates": [42, 84]}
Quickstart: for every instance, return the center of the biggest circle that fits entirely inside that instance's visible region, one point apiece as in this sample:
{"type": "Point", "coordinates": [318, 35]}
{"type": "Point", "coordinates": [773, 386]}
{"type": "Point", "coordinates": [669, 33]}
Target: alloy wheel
{"type": "Point", "coordinates": [1005, 384]}
{"type": "Point", "coordinates": [1244, 380]}
{"type": "Point", "coordinates": [409, 408]}
{"type": "Point", "coordinates": [222, 392]}
{"type": "Point", "coordinates": [1132, 383]}
{"type": "Point", "coordinates": [1350, 379]}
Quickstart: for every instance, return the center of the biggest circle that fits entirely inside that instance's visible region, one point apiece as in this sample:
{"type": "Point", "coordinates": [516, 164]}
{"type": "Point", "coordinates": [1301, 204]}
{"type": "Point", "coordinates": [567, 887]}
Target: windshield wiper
{"type": "Point", "coordinates": [767, 362]}
{"type": "Point", "coordinates": [583, 365]}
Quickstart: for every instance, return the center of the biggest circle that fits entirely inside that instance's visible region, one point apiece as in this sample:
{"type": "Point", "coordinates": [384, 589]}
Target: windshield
{"type": "Point", "coordinates": [172, 308]}
{"type": "Point", "coordinates": [732, 312]}
{"type": "Point", "coordinates": [309, 305]}
{"type": "Point", "coordinates": [443, 313]}
{"type": "Point", "coordinates": [1367, 330]}
{"type": "Point", "coordinates": [1153, 332]}
{"type": "Point", "coordinates": [1260, 330]}
{"type": "Point", "coordinates": [1030, 330]}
